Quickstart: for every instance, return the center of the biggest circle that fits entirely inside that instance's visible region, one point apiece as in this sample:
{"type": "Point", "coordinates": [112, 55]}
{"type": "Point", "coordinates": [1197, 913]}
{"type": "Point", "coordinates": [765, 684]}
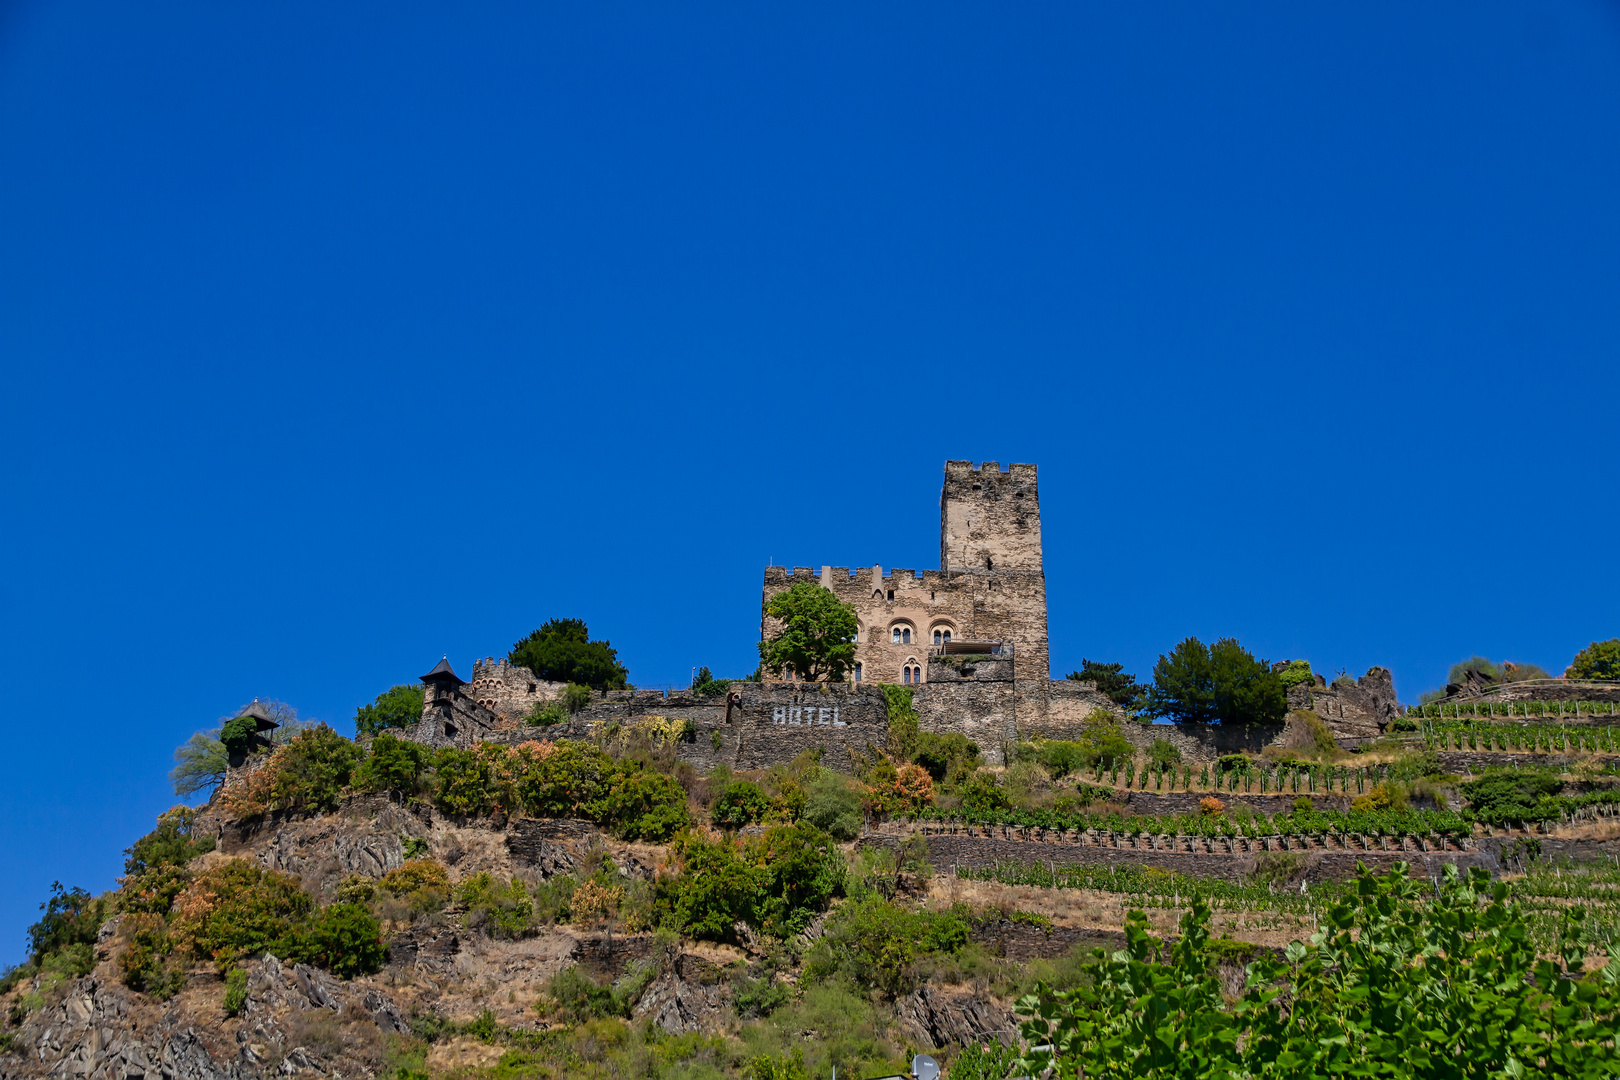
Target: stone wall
{"type": "Point", "coordinates": [1484, 690]}
{"type": "Point", "coordinates": [508, 689]}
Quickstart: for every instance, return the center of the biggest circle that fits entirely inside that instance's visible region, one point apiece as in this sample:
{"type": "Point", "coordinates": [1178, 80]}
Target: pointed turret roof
{"type": "Point", "coordinates": [444, 673]}
{"type": "Point", "coordinates": [261, 716]}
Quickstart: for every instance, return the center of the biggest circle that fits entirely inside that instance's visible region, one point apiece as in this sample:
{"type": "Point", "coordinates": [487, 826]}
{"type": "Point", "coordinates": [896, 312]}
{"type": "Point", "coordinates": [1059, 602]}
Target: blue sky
{"type": "Point", "coordinates": [337, 337]}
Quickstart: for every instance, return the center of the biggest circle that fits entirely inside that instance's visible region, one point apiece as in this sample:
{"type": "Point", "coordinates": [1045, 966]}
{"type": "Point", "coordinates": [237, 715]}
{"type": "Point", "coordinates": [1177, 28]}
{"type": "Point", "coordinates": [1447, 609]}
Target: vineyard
{"type": "Point", "coordinates": [1468, 734]}
{"type": "Point", "coordinates": [1547, 894]}
{"type": "Point", "coordinates": [1248, 776]}
{"type": "Point", "coordinates": [1539, 709]}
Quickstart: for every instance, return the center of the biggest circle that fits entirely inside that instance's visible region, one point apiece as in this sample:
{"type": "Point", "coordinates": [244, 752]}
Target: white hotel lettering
{"type": "Point", "coordinates": [798, 716]}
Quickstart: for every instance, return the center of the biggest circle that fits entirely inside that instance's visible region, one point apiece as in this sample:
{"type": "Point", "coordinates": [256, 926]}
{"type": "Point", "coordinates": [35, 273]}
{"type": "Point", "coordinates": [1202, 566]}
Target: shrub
{"type": "Point", "coordinates": [903, 727]}
{"type": "Point", "coordinates": [1488, 668]}
{"type": "Point", "coordinates": [943, 754]}
{"type": "Point", "coordinates": [907, 790]}
{"type": "Point", "coordinates": [170, 844]}
{"type": "Point", "coordinates": [503, 911]}
{"type": "Point", "coordinates": [802, 870]}
{"type": "Point", "coordinates": [356, 889]}
{"type": "Point", "coordinates": [640, 804]}
{"type": "Point", "coordinates": [343, 938]}
{"type": "Point", "coordinates": [1501, 796]}
{"type": "Point", "coordinates": [832, 805]}
{"type": "Point", "coordinates": [1383, 796]}
{"type": "Point", "coordinates": [143, 965]}
{"type": "Point", "coordinates": [575, 697]}
{"type": "Point", "coordinates": [1210, 806]}
{"type": "Point", "coordinates": [874, 943]}
{"type": "Point", "coordinates": [152, 891]}
{"type": "Point", "coordinates": [707, 685]}
{"type": "Point", "coordinates": [715, 889]}
{"type": "Point", "coordinates": [309, 772]}
{"type": "Point", "coordinates": [981, 792]}
{"type": "Point", "coordinates": [743, 802]}
{"type": "Point", "coordinates": [397, 707]}
{"type": "Point", "coordinates": [1102, 739]}
{"type": "Point", "coordinates": [239, 737]}
{"type": "Point", "coordinates": [237, 908]}
{"type": "Point", "coordinates": [394, 764]}
{"type": "Point", "coordinates": [1298, 672]}
{"type": "Point", "coordinates": [235, 991]}
{"type": "Point", "coordinates": [421, 883]}
{"type": "Point", "coordinates": [1164, 753]}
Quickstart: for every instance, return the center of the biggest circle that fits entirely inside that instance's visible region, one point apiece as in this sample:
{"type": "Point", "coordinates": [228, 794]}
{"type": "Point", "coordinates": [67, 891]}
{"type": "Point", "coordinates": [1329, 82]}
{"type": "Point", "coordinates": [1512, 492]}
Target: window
{"type": "Point", "coordinates": [905, 635]}
{"type": "Point", "coordinates": [938, 638]}
{"type": "Point", "coordinates": [947, 637]}
{"type": "Point", "coordinates": [857, 671]}
{"type": "Point", "coordinates": [891, 594]}
{"type": "Point", "coordinates": [895, 635]}
{"type": "Point", "coordinates": [908, 675]}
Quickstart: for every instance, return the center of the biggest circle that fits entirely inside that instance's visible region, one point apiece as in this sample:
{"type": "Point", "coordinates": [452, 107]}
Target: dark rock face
{"type": "Point", "coordinates": [691, 996]}
{"type": "Point", "coordinates": [935, 1018]}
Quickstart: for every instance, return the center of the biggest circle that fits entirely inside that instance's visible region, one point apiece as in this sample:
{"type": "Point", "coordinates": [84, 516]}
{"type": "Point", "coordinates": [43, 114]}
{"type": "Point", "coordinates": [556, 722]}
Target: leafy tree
{"type": "Point", "coordinates": [237, 736]}
{"type": "Point", "coordinates": [72, 918]}
{"type": "Point", "coordinates": [802, 871]}
{"type": "Point", "coordinates": [707, 685]}
{"type": "Point", "coordinates": [1103, 739]}
{"type": "Point", "coordinates": [1599, 660]}
{"type": "Point", "coordinates": [716, 888]}
{"type": "Point", "coordinates": [345, 939]}
{"type": "Point", "coordinates": [832, 805]}
{"type": "Point", "coordinates": [1222, 684]}
{"type": "Point", "coordinates": [560, 651]}
{"type": "Point", "coordinates": [313, 769]}
{"type": "Point", "coordinates": [817, 637]}
{"type": "Point", "coordinates": [199, 764]}
{"type": "Point", "coordinates": [172, 843]}
{"type": "Point", "coordinates": [638, 803]}
{"type": "Point", "coordinates": [1122, 689]}
{"type": "Point", "coordinates": [941, 754]}
{"type": "Point", "coordinates": [1520, 672]}
{"type": "Point", "coordinates": [903, 726]}
{"type": "Point", "coordinates": [236, 908]}
{"type": "Point", "coordinates": [397, 707]}
{"type": "Point", "coordinates": [394, 764]}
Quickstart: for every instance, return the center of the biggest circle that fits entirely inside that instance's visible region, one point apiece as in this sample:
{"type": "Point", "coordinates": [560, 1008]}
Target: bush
{"type": "Point", "coordinates": [308, 772]}
{"type": "Point", "coordinates": [152, 891]}
{"type": "Point", "coordinates": [235, 991]}
{"type": "Point", "coordinates": [1503, 796]}
{"type": "Point", "coordinates": [743, 802]}
{"type": "Point", "coordinates": [905, 789]}
{"type": "Point", "coordinates": [707, 685]}
{"type": "Point", "coordinates": [640, 804]}
{"type": "Point", "coordinates": [344, 939]}
{"type": "Point", "coordinates": [981, 792]}
{"type": "Point", "coordinates": [237, 908]}
{"type": "Point", "coordinates": [170, 844]}
{"type": "Point", "coordinates": [802, 871]}
{"type": "Point", "coordinates": [1383, 796]}
{"type": "Point", "coordinates": [581, 998]}
{"type": "Point", "coordinates": [1103, 739]}
{"type": "Point", "coordinates": [397, 707]}
{"type": "Point", "coordinates": [144, 964]}
{"type": "Point", "coordinates": [1297, 673]}
{"type": "Point", "coordinates": [874, 943]}
{"type": "Point", "coordinates": [715, 889]}
{"type": "Point", "coordinates": [832, 805]}
{"type": "Point", "coordinates": [903, 726]}
{"type": "Point", "coordinates": [1164, 753]}
{"type": "Point", "coordinates": [503, 911]}
{"type": "Point", "coordinates": [943, 754]}
{"type": "Point", "coordinates": [422, 883]}
{"type": "Point", "coordinates": [394, 764]}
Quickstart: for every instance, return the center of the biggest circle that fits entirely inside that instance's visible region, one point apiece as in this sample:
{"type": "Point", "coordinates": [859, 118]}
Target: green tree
{"type": "Point", "coordinates": [903, 726]}
{"type": "Point", "coordinates": [561, 651]}
{"type": "Point", "coordinates": [393, 765]}
{"type": "Point", "coordinates": [199, 764]}
{"type": "Point", "coordinates": [1222, 684]}
{"type": "Point", "coordinates": [237, 737]}
{"type": "Point", "coordinates": [817, 637]}
{"type": "Point", "coordinates": [1486, 667]}
{"type": "Point", "coordinates": [396, 707]}
{"type": "Point", "coordinates": [1599, 660]}
{"type": "Point", "coordinates": [1110, 679]}
{"type": "Point", "coordinates": [1296, 673]}
{"type": "Point", "coordinates": [72, 918]}
{"type": "Point", "coordinates": [172, 843]}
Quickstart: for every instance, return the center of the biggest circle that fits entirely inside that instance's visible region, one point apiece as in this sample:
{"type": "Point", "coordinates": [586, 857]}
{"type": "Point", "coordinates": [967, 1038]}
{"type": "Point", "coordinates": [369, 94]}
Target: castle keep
{"type": "Point", "coordinates": [990, 588]}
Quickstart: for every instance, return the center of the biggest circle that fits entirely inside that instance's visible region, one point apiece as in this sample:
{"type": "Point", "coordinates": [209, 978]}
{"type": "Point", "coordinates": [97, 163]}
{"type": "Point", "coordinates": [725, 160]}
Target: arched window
{"type": "Point", "coordinates": [905, 635]}
{"type": "Point", "coordinates": [947, 637]}
{"type": "Point", "coordinates": [857, 671]}
{"type": "Point", "coordinates": [907, 675]}
{"type": "Point", "coordinates": [894, 636]}
{"type": "Point", "coordinates": [938, 638]}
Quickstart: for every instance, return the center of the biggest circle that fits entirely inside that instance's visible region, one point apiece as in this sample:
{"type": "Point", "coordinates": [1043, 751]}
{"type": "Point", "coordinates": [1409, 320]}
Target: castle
{"type": "Point", "coordinates": [968, 639]}
{"type": "Point", "coordinates": [987, 597]}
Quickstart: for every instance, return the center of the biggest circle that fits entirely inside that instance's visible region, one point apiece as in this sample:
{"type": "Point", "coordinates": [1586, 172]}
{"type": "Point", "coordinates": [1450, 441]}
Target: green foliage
{"type": "Point", "coordinates": [638, 803]}
{"type": "Point", "coordinates": [575, 696]}
{"type": "Point", "coordinates": [152, 891]}
{"type": "Point", "coordinates": [560, 651]}
{"type": "Point", "coordinates": [942, 754]}
{"type": "Point", "coordinates": [779, 1066]}
{"type": "Point", "coordinates": [72, 917]}
{"type": "Point", "coordinates": [1393, 985]}
{"type": "Point", "coordinates": [235, 991]}
{"type": "Point", "coordinates": [1110, 679]}
{"type": "Point", "coordinates": [343, 938]}
{"type": "Point", "coordinates": [1164, 753]}
{"type": "Point", "coordinates": [1522, 672]}
{"type": "Point", "coordinates": [237, 736]}
{"type": "Point", "coordinates": [832, 805]}
{"type": "Point", "coordinates": [237, 908]}
{"type": "Point", "coordinates": [1298, 672]}
{"type": "Point", "coordinates": [1506, 796]}
{"type": "Point", "coordinates": [144, 965]}
{"type": "Point", "coordinates": [1102, 739]}
{"type": "Point", "coordinates": [803, 870]}
{"type": "Point", "coordinates": [580, 998]}
{"type": "Point", "coordinates": [1222, 683]}
{"type": "Point", "coordinates": [743, 802]}
{"type": "Point", "coordinates": [707, 685]}
{"type": "Point", "coordinates": [982, 792]}
{"type": "Point", "coordinates": [1488, 668]}
{"type": "Point", "coordinates": [171, 843]}
{"type": "Point", "coordinates": [903, 727]}
{"type": "Point", "coordinates": [422, 883]}
{"type": "Point", "coordinates": [1599, 660]}
{"type": "Point", "coordinates": [502, 910]}
{"type": "Point", "coordinates": [396, 707]}
{"type": "Point", "coordinates": [313, 769]}
{"type": "Point", "coordinates": [817, 635]}
{"type": "Point", "coordinates": [984, 1062]}
{"type": "Point", "coordinates": [716, 888]}
{"type": "Point", "coordinates": [394, 764]}
{"type": "Point", "coordinates": [875, 944]}
{"type": "Point", "coordinates": [199, 764]}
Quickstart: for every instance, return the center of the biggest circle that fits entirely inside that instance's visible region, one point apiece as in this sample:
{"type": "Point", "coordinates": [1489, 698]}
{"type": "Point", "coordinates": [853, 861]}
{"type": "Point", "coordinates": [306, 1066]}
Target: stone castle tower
{"type": "Point", "coordinates": [990, 587]}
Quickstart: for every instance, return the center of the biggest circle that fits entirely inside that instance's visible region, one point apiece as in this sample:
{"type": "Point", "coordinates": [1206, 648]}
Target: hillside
{"type": "Point", "coordinates": [570, 908]}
